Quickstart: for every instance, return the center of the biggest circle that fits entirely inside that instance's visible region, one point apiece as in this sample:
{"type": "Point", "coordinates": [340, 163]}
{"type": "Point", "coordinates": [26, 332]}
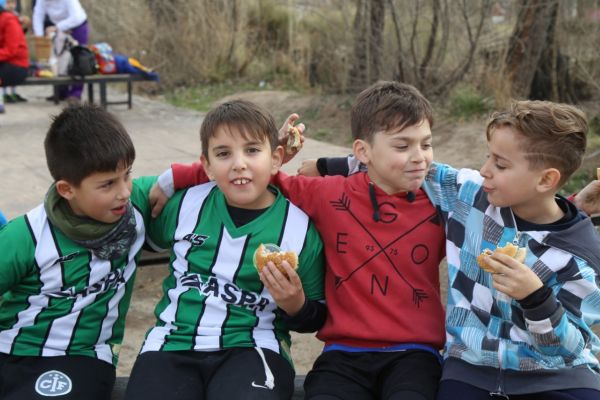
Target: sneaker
{"type": "Point", "coordinates": [2, 109]}
{"type": "Point", "coordinates": [10, 98]}
{"type": "Point", "coordinates": [51, 98]}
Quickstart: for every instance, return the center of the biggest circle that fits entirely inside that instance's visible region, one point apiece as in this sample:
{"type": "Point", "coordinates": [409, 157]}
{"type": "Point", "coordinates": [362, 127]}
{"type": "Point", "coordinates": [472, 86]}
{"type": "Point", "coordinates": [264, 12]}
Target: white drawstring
{"type": "Point", "coordinates": [270, 379]}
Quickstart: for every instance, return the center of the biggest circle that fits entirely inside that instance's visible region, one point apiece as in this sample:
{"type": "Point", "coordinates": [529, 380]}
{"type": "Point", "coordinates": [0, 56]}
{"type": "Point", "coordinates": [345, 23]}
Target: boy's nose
{"type": "Point", "coordinates": [239, 163]}
{"type": "Point", "coordinates": [484, 170]}
{"type": "Point", "coordinates": [418, 155]}
{"type": "Point", "coordinates": [124, 191]}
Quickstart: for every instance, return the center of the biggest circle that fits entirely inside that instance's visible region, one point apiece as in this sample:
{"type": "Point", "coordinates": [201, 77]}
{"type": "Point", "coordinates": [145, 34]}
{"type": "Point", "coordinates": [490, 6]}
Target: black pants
{"type": "Point", "coordinates": [65, 377]}
{"type": "Point", "coordinates": [450, 388]}
{"type": "Point", "coordinates": [11, 75]}
{"type": "Point", "coordinates": [233, 374]}
{"type": "Point", "coordinates": [411, 374]}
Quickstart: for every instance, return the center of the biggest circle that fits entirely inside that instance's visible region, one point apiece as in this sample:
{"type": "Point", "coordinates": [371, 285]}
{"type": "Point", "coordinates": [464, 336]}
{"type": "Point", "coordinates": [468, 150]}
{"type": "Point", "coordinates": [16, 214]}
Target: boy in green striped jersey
{"type": "Point", "coordinates": [222, 329]}
{"type": "Point", "coordinates": [67, 266]}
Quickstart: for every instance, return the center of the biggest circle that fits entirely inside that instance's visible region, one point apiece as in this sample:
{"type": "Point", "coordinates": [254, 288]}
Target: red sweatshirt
{"type": "Point", "coordinates": [13, 47]}
{"type": "Point", "coordinates": [382, 282]}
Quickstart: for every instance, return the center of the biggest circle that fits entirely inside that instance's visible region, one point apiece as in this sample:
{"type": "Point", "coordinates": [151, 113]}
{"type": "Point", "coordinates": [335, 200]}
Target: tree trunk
{"type": "Point", "coordinates": [358, 71]}
{"type": "Point", "coordinates": [376, 39]}
{"type": "Point", "coordinates": [552, 79]}
{"type": "Point", "coordinates": [368, 43]}
{"type": "Point", "coordinates": [527, 42]}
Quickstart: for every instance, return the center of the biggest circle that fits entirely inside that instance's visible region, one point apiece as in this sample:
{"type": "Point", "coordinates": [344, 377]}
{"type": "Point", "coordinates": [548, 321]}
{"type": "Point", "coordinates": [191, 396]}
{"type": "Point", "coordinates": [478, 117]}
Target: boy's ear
{"type": "Point", "coordinates": [206, 166]}
{"type": "Point", "coordinates": [361, 151]}
{"type": "Point", "coordinates": [65, 189]}
{"type": "Point", "coordinates": [277, 158]}
{"type": "Point", "coordinates": [548, 180]}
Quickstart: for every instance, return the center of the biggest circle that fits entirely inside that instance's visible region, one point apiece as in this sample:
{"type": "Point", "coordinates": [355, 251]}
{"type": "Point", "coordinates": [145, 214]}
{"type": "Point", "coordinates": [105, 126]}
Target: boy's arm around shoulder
{"type": "Point", "coordinates": [17, 253]}
{"type": "Point", "coordinates": [311, 271]}
{"type": "Point", "coordinates": [142, 200]}
{"type": "Point", "coordinates": [443, 184]}
{"type": "Point", "coordinates": [187, 175]}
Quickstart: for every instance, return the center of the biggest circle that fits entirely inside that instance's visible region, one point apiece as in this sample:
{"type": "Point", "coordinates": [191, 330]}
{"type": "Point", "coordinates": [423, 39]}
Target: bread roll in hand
{"type": "Point", "coordinates": [293, 143]}
{"type": "Point", "coordinates": [518, 253]}
{"type": "Point", "coordinates": [271, 252]}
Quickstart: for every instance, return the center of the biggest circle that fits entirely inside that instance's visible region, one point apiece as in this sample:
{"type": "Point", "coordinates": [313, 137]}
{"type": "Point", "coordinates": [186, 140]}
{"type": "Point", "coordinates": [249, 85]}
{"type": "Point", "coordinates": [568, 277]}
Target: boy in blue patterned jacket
{"type": "Point", "coordinates": [524, 329]}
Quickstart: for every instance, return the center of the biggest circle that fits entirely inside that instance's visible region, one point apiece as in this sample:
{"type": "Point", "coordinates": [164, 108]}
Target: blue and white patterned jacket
{"type": "Point", "coordinates": [492, 342]}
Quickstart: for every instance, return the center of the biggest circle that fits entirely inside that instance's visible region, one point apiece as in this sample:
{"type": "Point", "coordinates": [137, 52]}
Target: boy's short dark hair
{"type": "Point", "coordinates": [84, 139]}
{"type": "Point", "coordinates": [250, 119]}
{"type": "Point", "coordinates": [386, 105]}
{"type": "Point", "coordinates": [554, 134]}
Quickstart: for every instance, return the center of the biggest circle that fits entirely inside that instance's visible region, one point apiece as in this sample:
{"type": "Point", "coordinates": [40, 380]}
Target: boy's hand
{"type": "Point", "coordinates": [512, 277]}
{"type": "Point", "coordinates": [287, 292]}
{"type": "Point", "coordinates": [157, 199]}
{"type": "Point", "coordinates": [309, 168]}
{"type": "Point", "coordinates": [284, 133]}
{"type": "Point", "coordinates": [588, 199]}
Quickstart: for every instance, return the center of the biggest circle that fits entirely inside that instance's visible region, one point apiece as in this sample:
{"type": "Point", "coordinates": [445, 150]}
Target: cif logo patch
{"type": "Point", "coordinates": [53, 383]}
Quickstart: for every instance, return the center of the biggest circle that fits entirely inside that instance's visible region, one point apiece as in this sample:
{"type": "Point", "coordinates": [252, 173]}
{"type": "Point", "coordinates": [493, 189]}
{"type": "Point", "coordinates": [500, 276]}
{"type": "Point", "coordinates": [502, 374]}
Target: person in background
{"type": "Point", "coordinates": [14, 55]}
{"type": "Point", "coordinates": [10, 94]}
{"type": "Point", "coordinates": [67, 16]}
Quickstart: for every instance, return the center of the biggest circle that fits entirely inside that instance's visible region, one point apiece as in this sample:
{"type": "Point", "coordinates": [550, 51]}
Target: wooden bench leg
{"type": "Point", "coordinates": [90, 87]}
{"type": "Point", "coordinates": [129, 86]}
{"type": "Point", "coordinates": [55, 93]}
{"type": "Point", "coordinates": [103, 94]}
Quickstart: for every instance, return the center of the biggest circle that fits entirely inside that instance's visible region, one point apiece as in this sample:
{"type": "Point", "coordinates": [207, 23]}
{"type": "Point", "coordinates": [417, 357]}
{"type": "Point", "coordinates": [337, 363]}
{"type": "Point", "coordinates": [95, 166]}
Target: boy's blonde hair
{"type": "Point", "coordinates": [554, 134]}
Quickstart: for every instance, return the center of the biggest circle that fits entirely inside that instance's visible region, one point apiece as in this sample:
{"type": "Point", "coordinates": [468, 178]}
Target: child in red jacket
{"type": "Point", "coordinates": [14, 56]}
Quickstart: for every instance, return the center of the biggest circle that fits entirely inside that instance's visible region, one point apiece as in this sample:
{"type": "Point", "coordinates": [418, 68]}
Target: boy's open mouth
{"type": "Point", "coordinates": [119, 210]}
{"type": "Point", "coordinates": [241, 181]}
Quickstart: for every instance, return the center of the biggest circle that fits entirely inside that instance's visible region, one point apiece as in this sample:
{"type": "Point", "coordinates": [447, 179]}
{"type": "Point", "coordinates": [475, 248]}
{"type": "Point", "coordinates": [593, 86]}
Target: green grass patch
{"type": "Point", "coordinates": [465, 103]}
{"type": "Point", "coordinates": [595, 126]}
{"type": "Point", "coordinates": [577, 182]}
{"type": "Point", "coordinates": [201, 98]}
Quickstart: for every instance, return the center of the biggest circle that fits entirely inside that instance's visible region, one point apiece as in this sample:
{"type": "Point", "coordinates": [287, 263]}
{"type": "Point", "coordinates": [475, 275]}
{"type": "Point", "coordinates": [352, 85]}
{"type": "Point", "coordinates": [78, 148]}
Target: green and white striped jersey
{"type": "Point", "coordinates": [213, 298]}
{"type": "Point", "coordinates": [57, 297]}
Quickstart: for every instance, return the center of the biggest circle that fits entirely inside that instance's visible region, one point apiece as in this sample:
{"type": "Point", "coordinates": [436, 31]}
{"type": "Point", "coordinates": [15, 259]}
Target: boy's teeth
{"type": "Point", "coordinates": [241, 181]}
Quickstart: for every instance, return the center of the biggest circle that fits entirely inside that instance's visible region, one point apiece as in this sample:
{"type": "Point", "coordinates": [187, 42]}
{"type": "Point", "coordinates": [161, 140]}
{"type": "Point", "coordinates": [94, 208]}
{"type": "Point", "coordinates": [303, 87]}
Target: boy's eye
{"type": "Point", "coordinates": [253, 150]}
{"type": "Point", "coordinates": [427, 145]}
{"type": "Point", "coordinates": [221, 154]}
{"type": "Point", "coordinates": [401, 147]}
{"type": "Point", "coordinates": [107, 184]}
{"type": "Point", "coordinates": [500, 167]}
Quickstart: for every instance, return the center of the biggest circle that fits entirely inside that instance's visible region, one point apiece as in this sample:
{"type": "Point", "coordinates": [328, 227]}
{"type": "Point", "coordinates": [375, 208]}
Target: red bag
{"type": "Point", "coordinates": [104, 58]}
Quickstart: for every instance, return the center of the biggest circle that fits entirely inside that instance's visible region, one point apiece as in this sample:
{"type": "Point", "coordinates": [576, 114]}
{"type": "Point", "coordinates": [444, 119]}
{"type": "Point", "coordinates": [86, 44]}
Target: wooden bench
{"type": "Point", "coordinates": [90, 80]}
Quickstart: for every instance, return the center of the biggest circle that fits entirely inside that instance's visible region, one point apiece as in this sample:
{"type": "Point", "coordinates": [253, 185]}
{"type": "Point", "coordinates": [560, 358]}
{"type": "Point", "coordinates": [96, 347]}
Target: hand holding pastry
{"type": "Point", "coordinates": [510, 275]}
{"type": "Point", "coordinates": [291, 137]}
{"type": "Point", "coordinates": [277, 270]}
{"type": "Point", "coordinates": [511, 250]}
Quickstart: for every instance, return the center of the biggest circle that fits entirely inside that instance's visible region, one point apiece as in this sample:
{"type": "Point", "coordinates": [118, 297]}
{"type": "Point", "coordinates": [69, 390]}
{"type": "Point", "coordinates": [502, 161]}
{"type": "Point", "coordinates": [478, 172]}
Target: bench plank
{"type": "Point", "coordinates": [90, 80]}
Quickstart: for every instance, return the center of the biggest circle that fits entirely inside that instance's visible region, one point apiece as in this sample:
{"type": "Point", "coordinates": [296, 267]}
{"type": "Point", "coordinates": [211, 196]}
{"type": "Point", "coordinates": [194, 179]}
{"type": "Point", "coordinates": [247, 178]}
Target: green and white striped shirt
{"type": "Point", "coordinates": [213, 298]}
{"type": "Point", "coordinates": [57, 297]}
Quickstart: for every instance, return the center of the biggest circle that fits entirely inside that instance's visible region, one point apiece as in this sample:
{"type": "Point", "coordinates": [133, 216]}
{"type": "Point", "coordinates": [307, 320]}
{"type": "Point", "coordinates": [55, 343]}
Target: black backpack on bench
{"type": "Point", "coordinates": [83, 62]}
